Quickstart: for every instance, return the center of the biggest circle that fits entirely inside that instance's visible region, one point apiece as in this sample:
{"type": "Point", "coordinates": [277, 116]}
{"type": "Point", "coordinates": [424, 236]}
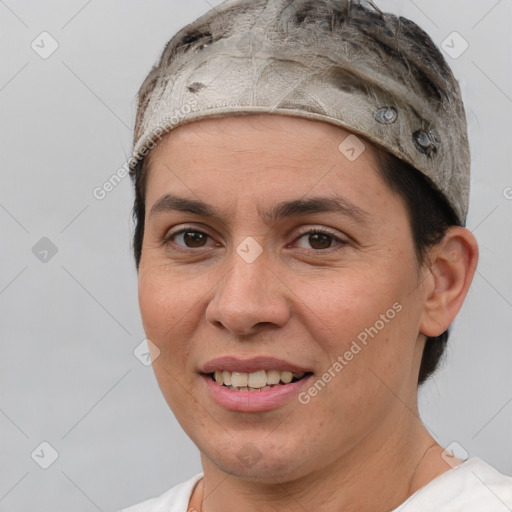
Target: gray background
{"type": "Point", "coordinates": [69, 325]}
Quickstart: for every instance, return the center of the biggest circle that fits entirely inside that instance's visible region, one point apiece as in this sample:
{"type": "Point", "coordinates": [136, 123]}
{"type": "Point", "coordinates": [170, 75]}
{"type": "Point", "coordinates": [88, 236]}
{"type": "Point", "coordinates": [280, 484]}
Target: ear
{"type": "Point", "coordinates": [452, 267]}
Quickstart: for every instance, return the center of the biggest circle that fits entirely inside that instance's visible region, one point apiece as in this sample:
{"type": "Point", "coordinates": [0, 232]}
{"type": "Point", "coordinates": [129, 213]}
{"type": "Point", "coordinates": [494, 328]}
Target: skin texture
{"type": "Point", "coordinates": [359, 443]}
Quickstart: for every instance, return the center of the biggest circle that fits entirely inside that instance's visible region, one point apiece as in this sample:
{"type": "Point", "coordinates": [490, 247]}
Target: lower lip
{"type": "Point", "coordinates": [253, 401]}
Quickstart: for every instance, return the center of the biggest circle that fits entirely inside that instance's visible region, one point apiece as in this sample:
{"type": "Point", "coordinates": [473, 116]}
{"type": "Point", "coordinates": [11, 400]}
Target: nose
{"type": "Point", "coordinates": [249, 298]}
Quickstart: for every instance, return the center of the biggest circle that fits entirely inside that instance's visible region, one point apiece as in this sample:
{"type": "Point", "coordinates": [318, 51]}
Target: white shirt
{"type": "Point", "coordinates": [473, 486]}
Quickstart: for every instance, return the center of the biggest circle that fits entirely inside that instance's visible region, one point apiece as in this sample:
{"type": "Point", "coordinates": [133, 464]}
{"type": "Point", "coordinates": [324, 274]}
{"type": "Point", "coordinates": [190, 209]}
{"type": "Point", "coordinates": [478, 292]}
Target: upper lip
{"type": "Point", "coordinates": [253, 364]}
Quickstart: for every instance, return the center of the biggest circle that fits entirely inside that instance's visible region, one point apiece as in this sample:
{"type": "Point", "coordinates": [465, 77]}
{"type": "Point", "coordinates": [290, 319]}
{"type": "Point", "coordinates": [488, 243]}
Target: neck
{"type": "Point", "coordinates": [377, 476]}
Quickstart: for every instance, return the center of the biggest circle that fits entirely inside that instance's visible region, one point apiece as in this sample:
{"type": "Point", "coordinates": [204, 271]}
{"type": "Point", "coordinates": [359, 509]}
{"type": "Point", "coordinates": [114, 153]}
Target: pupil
{"type": "Point", "coordinates": [193, 239]}
{"type": "Point", "coordinates": [320, 241]}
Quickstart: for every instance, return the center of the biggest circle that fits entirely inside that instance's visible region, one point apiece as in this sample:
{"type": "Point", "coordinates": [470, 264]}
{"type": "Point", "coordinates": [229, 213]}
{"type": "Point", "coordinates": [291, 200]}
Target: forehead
{"type": "Point", "coordinates": [263, 141]}
{"type": "Point", "coordinates": [240, 125]}
{"type": "Point", "coordinates": [251, 163]}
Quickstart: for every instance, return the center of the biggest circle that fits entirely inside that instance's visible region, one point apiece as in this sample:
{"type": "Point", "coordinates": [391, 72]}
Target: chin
{"type": "Point", "coordinates": [256, 462]}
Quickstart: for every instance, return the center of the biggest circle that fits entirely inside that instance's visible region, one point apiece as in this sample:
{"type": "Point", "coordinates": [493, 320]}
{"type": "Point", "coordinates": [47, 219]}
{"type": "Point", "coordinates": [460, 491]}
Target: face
{"type": "Point", "coordinates": [266, 247]}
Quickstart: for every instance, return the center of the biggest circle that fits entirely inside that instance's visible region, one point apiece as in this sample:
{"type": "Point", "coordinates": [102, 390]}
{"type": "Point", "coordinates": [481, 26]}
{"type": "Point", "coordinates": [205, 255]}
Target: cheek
{"type": "Point", "coordinates": [369, 319]}
{"type": "Point", "coordinates": [343, 305]}
{"type": "Point", "coordinates": [168, 318]}
{"type": "Point", "coordinates": [165, 304]}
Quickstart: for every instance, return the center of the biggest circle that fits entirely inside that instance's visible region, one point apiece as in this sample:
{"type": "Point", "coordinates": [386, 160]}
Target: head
{"type": "Point", "coordinates": [260, 235]}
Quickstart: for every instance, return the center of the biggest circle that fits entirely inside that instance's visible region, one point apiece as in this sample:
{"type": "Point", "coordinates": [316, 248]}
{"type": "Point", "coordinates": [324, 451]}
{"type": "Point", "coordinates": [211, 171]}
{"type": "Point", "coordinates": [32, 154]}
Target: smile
{"type": "Point", "coordinates": [255, 381]}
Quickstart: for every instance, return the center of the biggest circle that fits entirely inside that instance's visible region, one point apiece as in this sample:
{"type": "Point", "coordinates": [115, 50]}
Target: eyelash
{"type": "Point", "coordinates": [168, 242]}
{"type": "Point", "coordinates": [323, 231]}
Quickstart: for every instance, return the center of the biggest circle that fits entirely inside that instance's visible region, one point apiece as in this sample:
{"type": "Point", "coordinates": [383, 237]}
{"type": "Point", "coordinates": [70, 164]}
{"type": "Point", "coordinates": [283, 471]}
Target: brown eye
{"type": "Point", "coordinates": [187, 239]}
{"type": "Point", "coordinates": [194, 238]}
{"type": "Point", "coordinates": [320, 241]}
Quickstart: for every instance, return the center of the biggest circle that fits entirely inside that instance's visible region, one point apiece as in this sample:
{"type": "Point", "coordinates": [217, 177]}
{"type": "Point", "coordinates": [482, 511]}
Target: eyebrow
{"type": "Point", "coordinates": [332, 204]}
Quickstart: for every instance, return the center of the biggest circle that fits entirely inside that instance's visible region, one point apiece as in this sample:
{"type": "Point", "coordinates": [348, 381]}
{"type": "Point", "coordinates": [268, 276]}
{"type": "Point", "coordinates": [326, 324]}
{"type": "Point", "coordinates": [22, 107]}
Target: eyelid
{"type": "Point", "coordinates": [166, 239]}
{"type": "Point", "coordinates": [318, 229]}
{"type": "Point", "coordinates": [323, 230]}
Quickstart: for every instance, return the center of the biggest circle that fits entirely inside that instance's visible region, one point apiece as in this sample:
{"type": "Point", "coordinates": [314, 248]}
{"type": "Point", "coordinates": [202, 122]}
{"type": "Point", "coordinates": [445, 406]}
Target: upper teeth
{"type": "Point", "coordinates": [255, 380]}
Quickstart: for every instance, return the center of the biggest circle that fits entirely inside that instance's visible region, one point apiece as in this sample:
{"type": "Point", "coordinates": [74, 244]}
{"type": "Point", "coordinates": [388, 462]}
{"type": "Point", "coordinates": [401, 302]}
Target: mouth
{"type": "Point", "coordinates": [256, 381]}
{"type": "Point", "coordinates": [256, 384]}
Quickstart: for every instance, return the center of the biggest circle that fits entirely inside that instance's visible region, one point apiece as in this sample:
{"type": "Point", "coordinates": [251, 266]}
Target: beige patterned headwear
{"type": "Point", "coordinates": [343, 62]}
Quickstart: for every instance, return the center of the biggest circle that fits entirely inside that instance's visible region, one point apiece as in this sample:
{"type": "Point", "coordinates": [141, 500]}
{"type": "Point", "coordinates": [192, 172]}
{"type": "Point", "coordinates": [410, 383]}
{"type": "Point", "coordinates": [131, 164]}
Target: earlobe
{"type": "Point", "coordinates": [453, 265]}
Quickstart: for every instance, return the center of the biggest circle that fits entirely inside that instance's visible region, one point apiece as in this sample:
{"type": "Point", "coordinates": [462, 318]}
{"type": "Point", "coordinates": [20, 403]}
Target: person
{"type": "Point", "coordinates": [301, 173]}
